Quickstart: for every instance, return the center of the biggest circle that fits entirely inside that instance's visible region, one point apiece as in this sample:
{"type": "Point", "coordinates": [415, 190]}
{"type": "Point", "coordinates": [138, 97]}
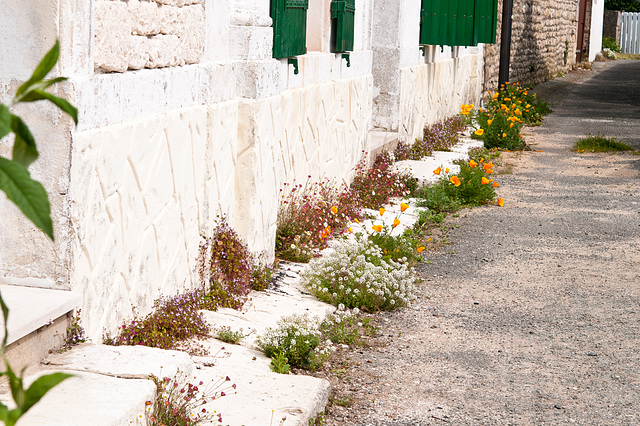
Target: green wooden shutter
{"type": "Point", "coordinates": [289, 27]}
{"type": "Point", "coordinates": [342, 30]}
{"type": "Point", "coordinates": [486, 20]}
{"type": "Point", "coordinates": [458, 22]}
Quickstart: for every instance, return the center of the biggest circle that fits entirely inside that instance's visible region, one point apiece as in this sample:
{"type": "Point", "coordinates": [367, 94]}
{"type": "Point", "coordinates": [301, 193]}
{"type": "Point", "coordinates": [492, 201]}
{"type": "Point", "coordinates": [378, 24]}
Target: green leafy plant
{"type": "Point", "coordinates": [346, 326]}
{"type": "Point", "coordinates": [31, 198]}
{"type": "Point", "coordinates": [27, 194]}
{"type": "Point", "coordinates": [280, 364]}
{"type": "Point", "coordinates": [471, 186]}
{"type": "Point", "coordinates": [298, 339]}
{"type": "Point", "coordinates": [623, 5]}
{"type": "Point", "coordinates": [356, 275]}
{"type": "Point", "coordinates": [401, 248]}
{"type": "Point", "coordinates": [227, 335]}
{"type": "Point", "coordinates": [182, 402]}
{"type": "Point", "coordinates": [611, 44]}
{"type": "Point", "coordinates": [598, 143]}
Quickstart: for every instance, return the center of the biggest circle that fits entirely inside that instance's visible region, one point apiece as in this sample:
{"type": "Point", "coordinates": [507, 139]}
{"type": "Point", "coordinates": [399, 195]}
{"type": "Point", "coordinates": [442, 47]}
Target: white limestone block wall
{"type": "Point", "coordinates": [319, 131]}
{"type": "Point", "coordinates": [142, 194]}
{"type": "Point", "coordinates": [136, 34]}
{"type": "Point", "coordinates": [433, 91]}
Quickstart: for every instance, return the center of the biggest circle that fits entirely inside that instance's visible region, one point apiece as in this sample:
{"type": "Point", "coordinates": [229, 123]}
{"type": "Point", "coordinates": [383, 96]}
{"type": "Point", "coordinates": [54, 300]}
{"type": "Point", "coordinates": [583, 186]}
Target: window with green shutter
{"type": "Point", "coordinates": [458, 22]}
{"type": "Point", "coordinates": [289, 27]}
{"type": "Point", "coordinates": [342, 28]}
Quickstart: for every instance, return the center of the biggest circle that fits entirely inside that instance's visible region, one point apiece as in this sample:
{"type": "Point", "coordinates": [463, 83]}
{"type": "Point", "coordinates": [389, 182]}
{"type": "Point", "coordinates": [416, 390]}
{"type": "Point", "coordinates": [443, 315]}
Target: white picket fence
{"type": "Point", "coordinates": [630, 32]}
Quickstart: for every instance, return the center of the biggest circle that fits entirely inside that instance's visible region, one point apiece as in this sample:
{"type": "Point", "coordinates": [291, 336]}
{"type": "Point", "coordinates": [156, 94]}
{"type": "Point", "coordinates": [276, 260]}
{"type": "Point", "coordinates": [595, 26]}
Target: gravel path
{"type": "Point", "coordinates": [532, 314]}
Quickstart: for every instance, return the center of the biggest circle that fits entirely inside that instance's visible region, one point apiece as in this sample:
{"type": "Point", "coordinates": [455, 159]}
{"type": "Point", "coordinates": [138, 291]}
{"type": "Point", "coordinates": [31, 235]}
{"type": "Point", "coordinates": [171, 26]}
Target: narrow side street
{"type": "Point", "coordinates": [532, 314]}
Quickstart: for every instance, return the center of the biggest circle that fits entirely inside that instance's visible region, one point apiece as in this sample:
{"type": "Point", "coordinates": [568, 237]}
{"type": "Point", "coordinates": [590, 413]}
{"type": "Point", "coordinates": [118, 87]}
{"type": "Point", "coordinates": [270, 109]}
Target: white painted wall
{"type": "Point", "coordinates": [597, 20]}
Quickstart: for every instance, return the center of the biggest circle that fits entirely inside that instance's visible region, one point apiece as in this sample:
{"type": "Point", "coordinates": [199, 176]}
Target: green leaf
{"type": "Point", "coordinates": [40, 387]}
{"type": "Point", "coordinates": [15, 383]}
{"type": "Point", "coordinates": [24, 146]}
{"type": "Point", "coordinates": [27, 194]}
{"type": "Point", "coordinates": [29, 95]}
{"type": "Point", "coordinates": [5, 315]}
{"type": "Point", "coordinates": [43, 68]}
{"type": "Point", "coordinates": [5, 120]}
{"type": "Point", "coordinates": [63, 104]}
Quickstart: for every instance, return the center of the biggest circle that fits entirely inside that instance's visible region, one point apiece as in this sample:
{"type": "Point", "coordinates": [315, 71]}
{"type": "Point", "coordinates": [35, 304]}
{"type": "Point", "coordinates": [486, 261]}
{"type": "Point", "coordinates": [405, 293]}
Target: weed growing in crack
{"type": "Point", "coordinates": [181, 402]}
{"type": "Point", "coordinates": [172, 321]}
{"type": "Point", "coordinates": [297, 340]}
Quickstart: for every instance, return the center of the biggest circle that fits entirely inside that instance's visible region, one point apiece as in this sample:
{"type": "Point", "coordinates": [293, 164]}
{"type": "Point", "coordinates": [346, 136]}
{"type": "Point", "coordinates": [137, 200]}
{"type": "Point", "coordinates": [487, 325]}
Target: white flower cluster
{"type": "Point", "coordinates": [356, 275]}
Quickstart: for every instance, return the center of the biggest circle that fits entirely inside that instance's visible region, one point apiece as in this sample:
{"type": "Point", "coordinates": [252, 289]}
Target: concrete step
{"type": "Point", "coordinates": [37, 322]}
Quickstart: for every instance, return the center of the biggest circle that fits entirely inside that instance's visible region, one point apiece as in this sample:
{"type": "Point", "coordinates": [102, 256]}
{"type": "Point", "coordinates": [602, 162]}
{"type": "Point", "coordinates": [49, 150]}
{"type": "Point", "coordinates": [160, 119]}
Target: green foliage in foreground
{"type": "Point", "coordinates": [27, 194]}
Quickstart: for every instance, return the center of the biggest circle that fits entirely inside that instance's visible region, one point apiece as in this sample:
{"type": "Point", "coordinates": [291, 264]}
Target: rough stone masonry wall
{"type": "Point", "coordinates": [543, 41]}
{"type": "Point", "coordinates": [138, 34]}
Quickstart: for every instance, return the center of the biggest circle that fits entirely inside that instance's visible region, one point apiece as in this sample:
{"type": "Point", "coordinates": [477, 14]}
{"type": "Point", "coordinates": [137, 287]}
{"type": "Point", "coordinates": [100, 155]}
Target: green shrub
{"type": "Point", "coordinates": [471, 186]}
{"type": "Point", "coordinates": [497, 129]}
{"type": "Point", "coordinates": [356, 275]}
{"type": "Point", "coordinates": [296, 338]}
{"type": "Point", "coordinates": [599, 143]}
{"type": "Point", "coordinates": [610, 43]}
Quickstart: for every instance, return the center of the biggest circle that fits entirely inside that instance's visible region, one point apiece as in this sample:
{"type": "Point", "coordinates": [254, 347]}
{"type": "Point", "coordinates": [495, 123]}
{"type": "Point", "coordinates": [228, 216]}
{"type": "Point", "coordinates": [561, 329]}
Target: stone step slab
{"type": "Point", "coordinates": [261, 395]}
{"type": "Point", "coordinates": [89, 399]}
{"type": "Point", "coordinates": [128, 362]}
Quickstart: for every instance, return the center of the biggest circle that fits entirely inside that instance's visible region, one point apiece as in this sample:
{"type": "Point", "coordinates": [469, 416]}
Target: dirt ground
{"type": "Point", "coordinates": [532, 314]}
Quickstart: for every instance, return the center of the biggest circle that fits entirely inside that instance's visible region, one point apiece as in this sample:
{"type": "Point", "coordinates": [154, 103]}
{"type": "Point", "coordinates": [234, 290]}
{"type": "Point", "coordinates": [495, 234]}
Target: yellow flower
{"type": "Point", "coordinates": [504, 135]}
{"type": "Point", "coordinates": [350, 229]}
{"type": "Point", "coordinates": [481, 160]}
{"type": "Point", "coordinates": [377, 228]}
{"type": "Point", "coordinates": [489, 121]}
{"type": "Point", "coordinates": [446, 170]}
{"type": "Point", "coordinates": [500, 202]}
{"type": "Point", "coordinates": [334, 209]}
{"type": "Point", "coordinates": [511, 125]}
{"type": "Point", "coordinates": [356, 220]}
{"type": "Point", "coordinates": [396, 222]}
{"type": "Point", "coordinates": [382, 210]}
{"type": "Point", "coordinates": [485, 180]}
{"type": "Point", "coordinates": [495, 96]}
{"type": "Point", "coordinates": [419, 248]}
{"type": "Point", "coordinates": [403, 207]}
{"type": "Point", "coordinates": [437, 171]}
{"type": "Point", "coordinates": [454, 180]}
{"type": "Point", "coordinates": [472, 164]}
{"type": "Point", "coordinates": [479, 132]}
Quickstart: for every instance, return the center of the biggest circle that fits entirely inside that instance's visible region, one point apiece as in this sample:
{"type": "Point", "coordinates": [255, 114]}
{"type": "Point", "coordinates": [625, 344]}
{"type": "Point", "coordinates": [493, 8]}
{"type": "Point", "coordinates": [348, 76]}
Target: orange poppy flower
{"type": "Point", "coordinates": [382, 210]}
{"type": "Point", "coordinates": [377, 228]}
{"type": "Point", "coordinates": [472, 164]}
{"type": "Point", "coordinates": [454, 180]}
{"type": "Point", "coordinates": [479, 132]}
{"type": "Point", "coordinates": [396, 222]}
{"type": "Point", "coordinates": [334, 209]}
{"type": "Point", "coordinates": [496, 184]}
{"type": "Point", "coordinates": [446, 170]}
{"type": "Point", "coordinates": [419, 248]}
{"type": "Point", "coordinates": [437, 171]}
{"type": "Point", "coordinates": [403, 207]}
{"type": "Point", "coordinates": [484, 180]}
{"type": "Point", "coordinates": [488, 171]}
{"type": "Point", "coordinates": [500, 202]}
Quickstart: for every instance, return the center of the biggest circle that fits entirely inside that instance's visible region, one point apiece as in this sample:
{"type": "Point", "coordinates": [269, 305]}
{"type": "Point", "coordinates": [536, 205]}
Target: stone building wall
{"type": "Point", "coordinates": [612, 24]}
{"type": "Point", "coordinates": [543, 41]}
